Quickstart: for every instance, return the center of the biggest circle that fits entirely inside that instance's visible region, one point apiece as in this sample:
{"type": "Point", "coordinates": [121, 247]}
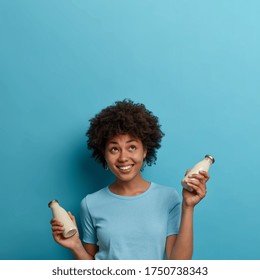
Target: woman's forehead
{"type": "Point", "coordinates": [123, 138]}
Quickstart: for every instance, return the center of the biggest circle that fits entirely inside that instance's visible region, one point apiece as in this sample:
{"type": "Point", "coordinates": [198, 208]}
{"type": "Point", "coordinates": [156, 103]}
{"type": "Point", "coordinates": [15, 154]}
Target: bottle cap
{"type": "Point", "coordinates": [210, 157]}
{"type": "Point", "coordinates": [54, 200]}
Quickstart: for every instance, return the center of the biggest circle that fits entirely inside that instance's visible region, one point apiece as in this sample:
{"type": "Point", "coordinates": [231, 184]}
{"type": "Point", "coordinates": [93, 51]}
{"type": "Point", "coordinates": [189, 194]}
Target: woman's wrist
{"type": "Point", "coordinates": [187, 208]}
{"type": "Point", "coordinates": [77, 245]}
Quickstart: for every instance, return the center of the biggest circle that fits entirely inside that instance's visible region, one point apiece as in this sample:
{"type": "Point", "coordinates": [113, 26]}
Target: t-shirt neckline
{"type": "Point", "coordinates": [125, 197]}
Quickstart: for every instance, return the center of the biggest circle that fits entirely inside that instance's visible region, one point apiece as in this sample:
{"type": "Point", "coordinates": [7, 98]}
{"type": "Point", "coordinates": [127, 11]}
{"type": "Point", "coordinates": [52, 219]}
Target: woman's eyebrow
{"type": "Point", "coordinates": [129, 141]}
{"type": "Point", "coordinates": [132, 140]}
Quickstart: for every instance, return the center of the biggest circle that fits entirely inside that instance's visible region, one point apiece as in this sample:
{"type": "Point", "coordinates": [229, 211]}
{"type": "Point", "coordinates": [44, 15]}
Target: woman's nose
{"type": "Point", "coordinates": [123, 156]}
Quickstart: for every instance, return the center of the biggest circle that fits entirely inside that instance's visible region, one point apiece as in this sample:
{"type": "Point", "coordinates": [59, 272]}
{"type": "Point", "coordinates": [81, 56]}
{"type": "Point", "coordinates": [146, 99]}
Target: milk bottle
{"type": "Point", "coordinates": [62, 216]}
{"type": "Point", "coordinates": [203, 165]}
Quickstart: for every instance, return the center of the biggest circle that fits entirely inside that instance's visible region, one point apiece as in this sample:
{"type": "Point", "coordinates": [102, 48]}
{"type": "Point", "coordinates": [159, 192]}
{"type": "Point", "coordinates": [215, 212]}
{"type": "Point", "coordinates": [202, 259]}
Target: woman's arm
{"type": "Point", "coordinates": [86, 252]}
{"type": "Point", "coordinates": [182, 246]}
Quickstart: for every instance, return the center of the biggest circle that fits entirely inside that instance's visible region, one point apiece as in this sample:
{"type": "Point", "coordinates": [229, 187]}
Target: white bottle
{"type": "Point", "coordinates": [203, 165]}
{"type": "Point", "coordinates": [62, 216]}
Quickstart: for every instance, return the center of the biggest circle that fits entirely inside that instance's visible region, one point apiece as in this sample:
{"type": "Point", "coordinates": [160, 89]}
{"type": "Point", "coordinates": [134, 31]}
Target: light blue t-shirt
{"type": "Point", "coordinates": [130, 227]}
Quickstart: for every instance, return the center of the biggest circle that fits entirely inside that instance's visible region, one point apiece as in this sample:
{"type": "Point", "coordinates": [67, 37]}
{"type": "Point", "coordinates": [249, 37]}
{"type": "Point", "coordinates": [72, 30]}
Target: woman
{"type": "Point", "coordinates": [132, 218]}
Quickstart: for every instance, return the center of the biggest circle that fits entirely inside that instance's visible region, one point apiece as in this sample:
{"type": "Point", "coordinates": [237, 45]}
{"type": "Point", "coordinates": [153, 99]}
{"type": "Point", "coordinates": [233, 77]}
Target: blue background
{"type": "Point", "coordinates": [195, 64]}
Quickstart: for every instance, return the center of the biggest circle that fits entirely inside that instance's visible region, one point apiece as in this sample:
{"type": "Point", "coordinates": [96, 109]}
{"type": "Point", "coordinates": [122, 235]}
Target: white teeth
{"type": "Point", "coordinates": [125, 167]}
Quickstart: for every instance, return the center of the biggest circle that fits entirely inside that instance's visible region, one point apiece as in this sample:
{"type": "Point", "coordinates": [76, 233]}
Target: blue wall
{"type": "Point", "coordinates": [195, 64]}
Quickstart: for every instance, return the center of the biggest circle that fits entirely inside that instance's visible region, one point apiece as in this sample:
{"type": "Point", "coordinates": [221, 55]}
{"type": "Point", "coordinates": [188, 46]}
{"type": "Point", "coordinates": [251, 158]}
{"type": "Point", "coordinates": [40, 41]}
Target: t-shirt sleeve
{"type": "Point", "coordinates": [88, 228]}
{"type": "Point", "coordinates": [174, 214]}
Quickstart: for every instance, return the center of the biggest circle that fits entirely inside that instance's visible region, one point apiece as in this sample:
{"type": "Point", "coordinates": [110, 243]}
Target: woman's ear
{"type": "Point", "coordinates": [145, 153]}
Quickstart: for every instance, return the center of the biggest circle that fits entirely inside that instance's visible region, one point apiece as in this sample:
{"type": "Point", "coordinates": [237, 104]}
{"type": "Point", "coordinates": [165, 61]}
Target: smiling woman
{"type": "Point", "coordinates": [132, 218]}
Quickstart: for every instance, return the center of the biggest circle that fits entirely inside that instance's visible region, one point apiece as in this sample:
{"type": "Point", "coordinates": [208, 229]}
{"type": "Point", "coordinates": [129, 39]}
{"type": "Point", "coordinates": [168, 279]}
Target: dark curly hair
{"type": "Point", "coordinates": [124, 117]}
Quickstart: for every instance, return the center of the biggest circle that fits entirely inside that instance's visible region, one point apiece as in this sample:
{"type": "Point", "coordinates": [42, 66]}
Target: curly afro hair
{"type": "Point", "coordinates": [124, 117]}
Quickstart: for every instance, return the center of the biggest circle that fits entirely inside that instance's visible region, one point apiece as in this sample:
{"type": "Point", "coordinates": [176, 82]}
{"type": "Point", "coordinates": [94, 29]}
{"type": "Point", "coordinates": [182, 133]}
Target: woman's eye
{"type": "Point", "coordinates": [114, 150]}
{"type": "Point", "coordinates": [132, 148]}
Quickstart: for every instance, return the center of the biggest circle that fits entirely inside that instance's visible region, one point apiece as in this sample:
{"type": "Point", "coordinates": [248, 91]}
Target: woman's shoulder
{"type": "Point", "coordinates": [95, 196]}
{"type": "Point", "coordinates": [165, 189]}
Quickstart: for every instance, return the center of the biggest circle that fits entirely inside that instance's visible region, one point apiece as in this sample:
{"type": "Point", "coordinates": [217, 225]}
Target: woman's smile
{"type": "Point", "coordinates": [125, 168]}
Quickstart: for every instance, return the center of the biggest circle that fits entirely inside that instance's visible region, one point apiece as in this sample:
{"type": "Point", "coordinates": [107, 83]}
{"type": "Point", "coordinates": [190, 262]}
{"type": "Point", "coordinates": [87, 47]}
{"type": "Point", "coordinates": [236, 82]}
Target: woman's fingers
{"type": "Point", "coordinates": [71, 216]}
{"type": "Point", "coordinates": [197, 186]}
{"type": "Point", "coordinates": [58, 228]}
{"type": "Point", "coordinates": [187, 171]}
{"type": "Point", "coordinates": [205, 175]}
{"type": "Point", "coordinates": [202, 177]}
{"type": "Point", "coordinates": [54, 221]}
{"type": "Point", "coordinates": [197, 190]}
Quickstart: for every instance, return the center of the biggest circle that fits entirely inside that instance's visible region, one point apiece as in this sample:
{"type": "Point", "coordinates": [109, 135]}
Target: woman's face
{"type": "Point", "coordinates": [124, 155]}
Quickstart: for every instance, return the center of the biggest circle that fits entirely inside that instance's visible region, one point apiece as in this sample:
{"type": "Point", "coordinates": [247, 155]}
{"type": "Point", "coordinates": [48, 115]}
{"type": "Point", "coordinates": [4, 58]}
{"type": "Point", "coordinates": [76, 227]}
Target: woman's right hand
{"type": "Point", "coordinates": [57, 232]}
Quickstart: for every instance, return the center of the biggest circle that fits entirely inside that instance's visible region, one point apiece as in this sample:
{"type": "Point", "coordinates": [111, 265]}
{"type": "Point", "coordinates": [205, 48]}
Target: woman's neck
{"type": "Point", "coordinates": [130, 188]}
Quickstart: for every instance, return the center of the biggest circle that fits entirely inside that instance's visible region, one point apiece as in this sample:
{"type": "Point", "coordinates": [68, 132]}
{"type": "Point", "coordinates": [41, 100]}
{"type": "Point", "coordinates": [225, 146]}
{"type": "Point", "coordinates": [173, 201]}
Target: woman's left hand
{"type": "Point", "coordinates": [198, 183]}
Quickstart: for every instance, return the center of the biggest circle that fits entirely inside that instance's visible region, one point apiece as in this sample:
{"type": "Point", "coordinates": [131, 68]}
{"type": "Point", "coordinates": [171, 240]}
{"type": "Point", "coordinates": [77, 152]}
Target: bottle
{"type": "Point", "coordinates": [203, 165]}
{"type": "Point", "coordinates": [62, 216]}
